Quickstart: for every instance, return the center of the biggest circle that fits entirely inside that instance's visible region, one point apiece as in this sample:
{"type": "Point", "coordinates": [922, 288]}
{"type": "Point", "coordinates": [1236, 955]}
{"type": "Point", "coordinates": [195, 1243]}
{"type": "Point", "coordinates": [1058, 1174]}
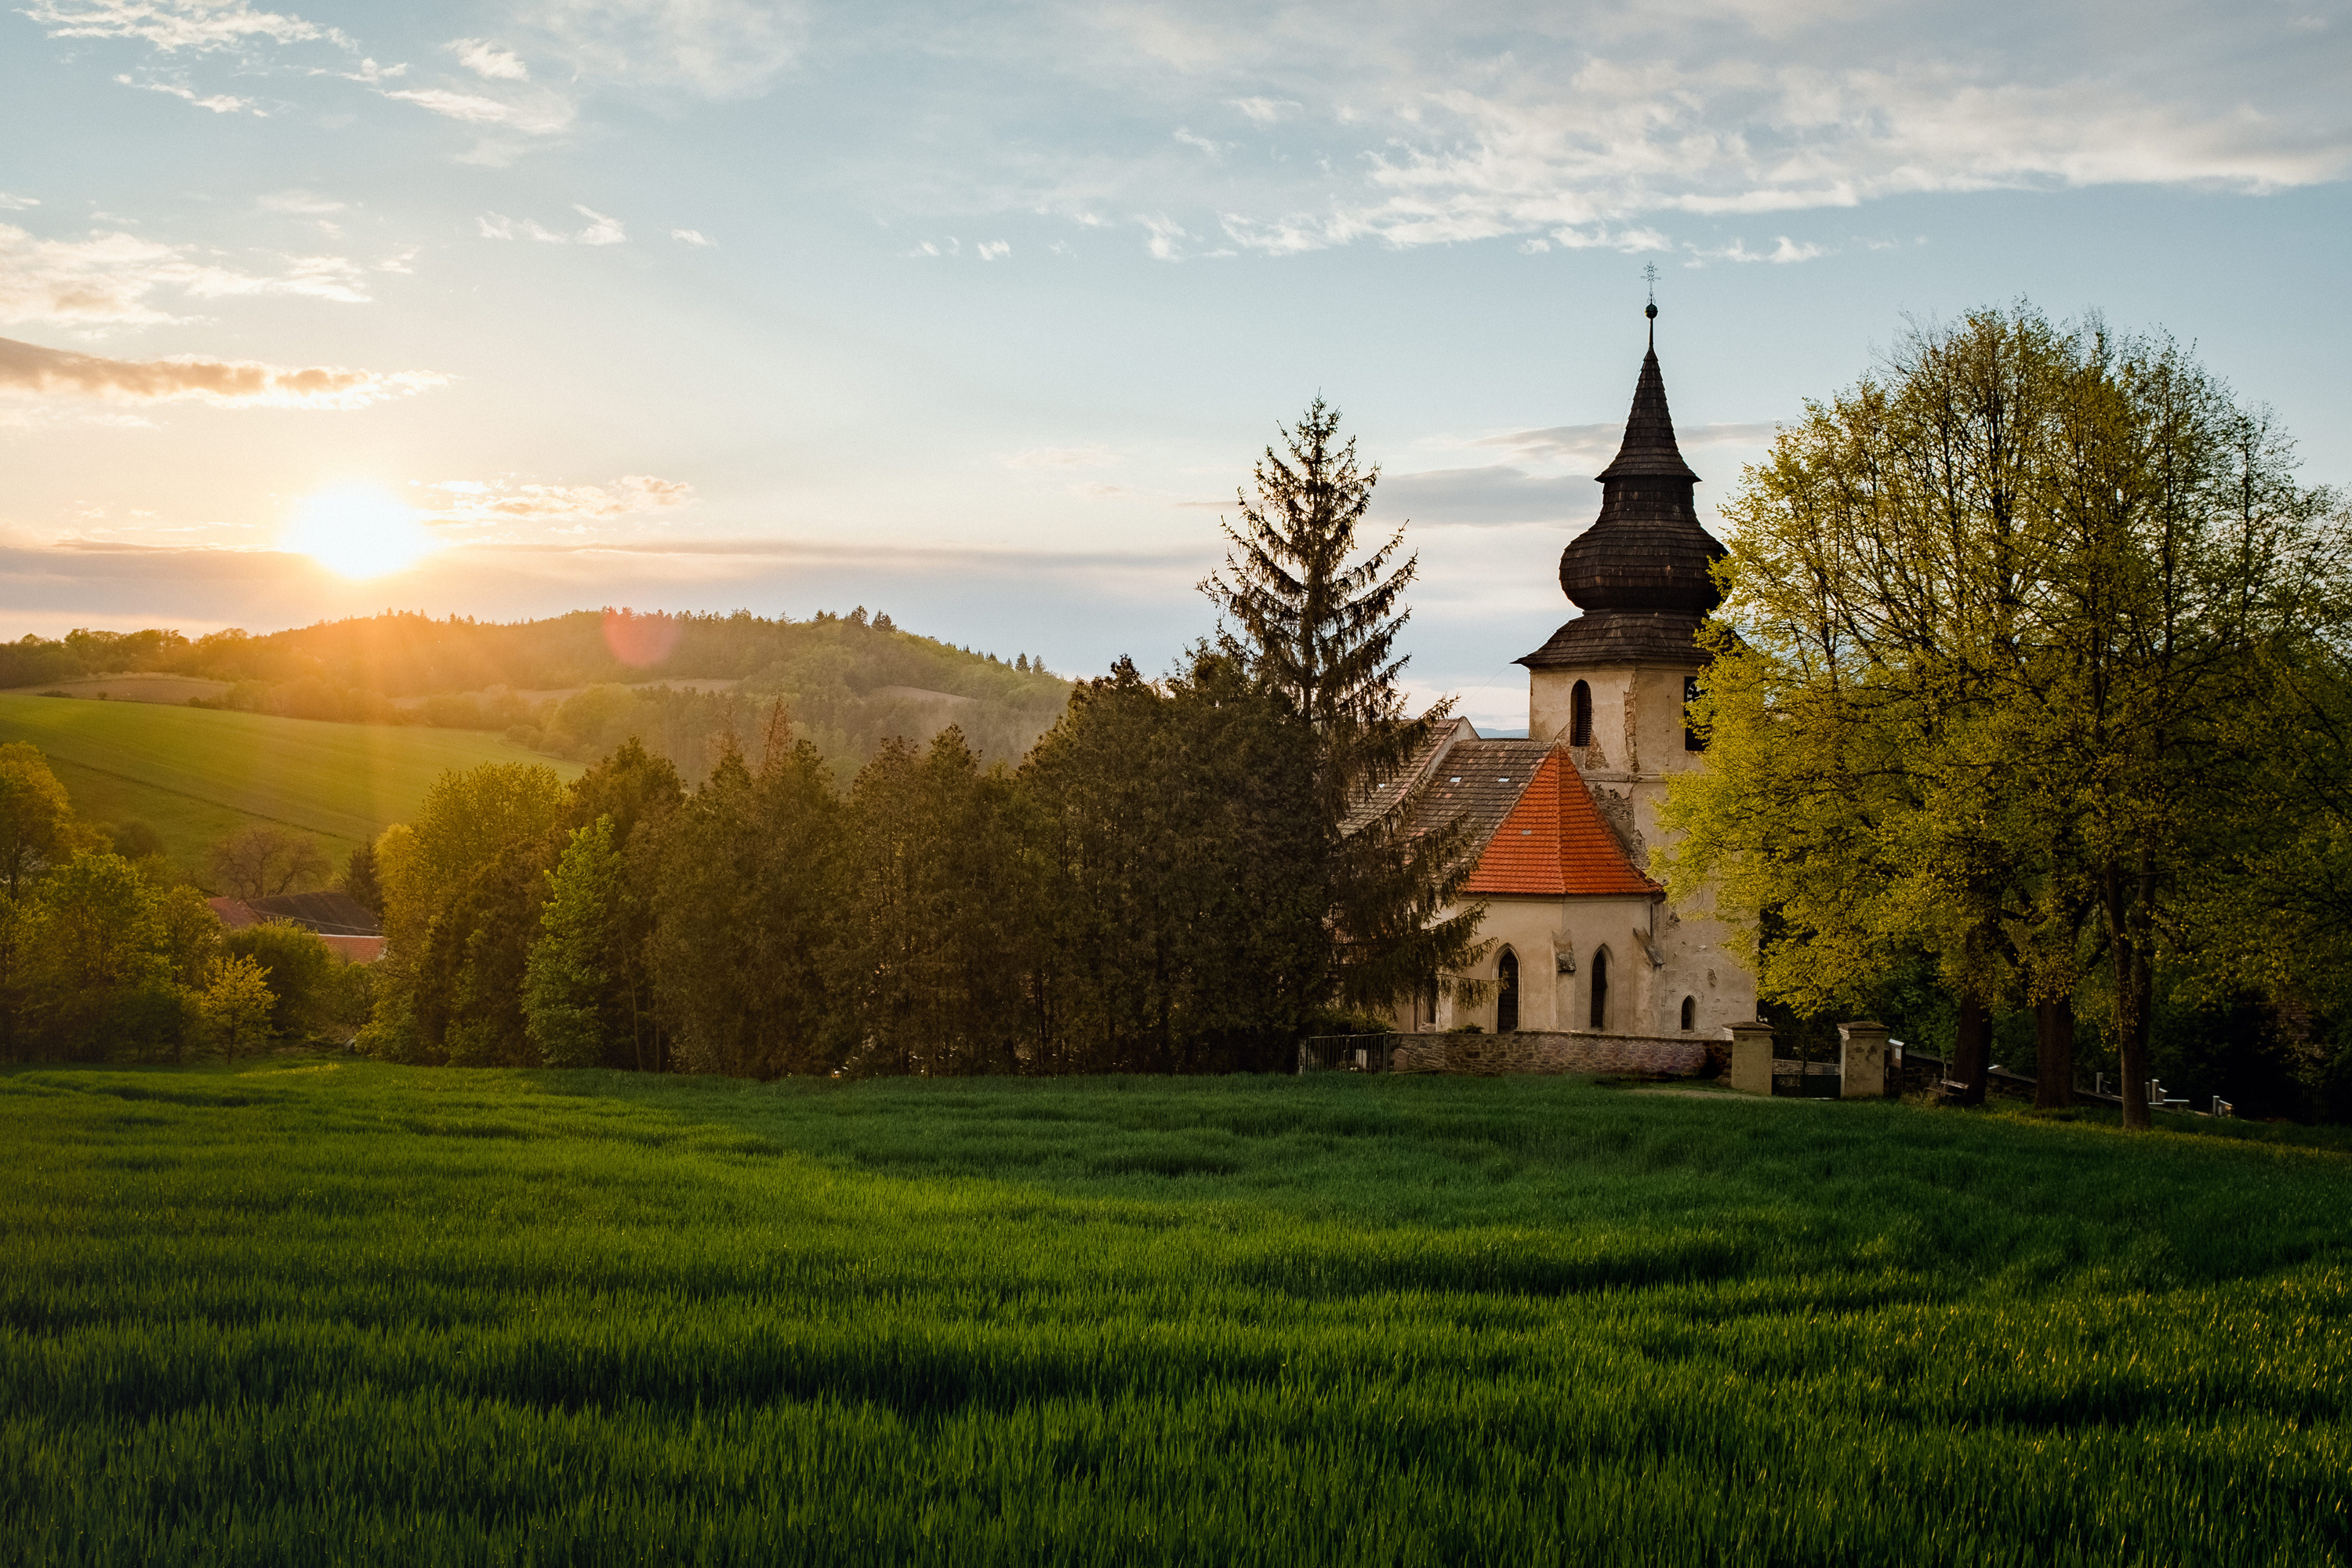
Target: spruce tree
{"type": "Point", "coordinates": [1315, 618]}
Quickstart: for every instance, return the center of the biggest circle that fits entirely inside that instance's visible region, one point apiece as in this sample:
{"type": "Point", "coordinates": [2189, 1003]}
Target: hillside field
{"type": "Point", "coordinates": [198, 773]}
{"type": "Point", "coordinates": [318, 1309]}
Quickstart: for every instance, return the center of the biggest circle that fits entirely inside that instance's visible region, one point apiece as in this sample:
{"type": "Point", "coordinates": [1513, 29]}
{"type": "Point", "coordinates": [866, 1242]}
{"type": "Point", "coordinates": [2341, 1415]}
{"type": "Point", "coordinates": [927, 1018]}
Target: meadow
{"type": "Point", "coordinates": [198, 774]}
{"type": "Point", "coordinates": [318, 1310]}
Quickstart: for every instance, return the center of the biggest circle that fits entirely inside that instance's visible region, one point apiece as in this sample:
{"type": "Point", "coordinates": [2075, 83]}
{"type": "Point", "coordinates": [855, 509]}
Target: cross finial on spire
{"type": "Point", "coordinates": [1650, 273]}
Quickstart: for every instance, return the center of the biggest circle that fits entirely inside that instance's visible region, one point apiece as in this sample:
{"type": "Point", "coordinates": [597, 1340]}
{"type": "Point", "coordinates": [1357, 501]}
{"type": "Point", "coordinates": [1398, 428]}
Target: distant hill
{"type": "Point", "coordinates": [576, 685]}
{"type": "Point", "coordinates": [198, 775]}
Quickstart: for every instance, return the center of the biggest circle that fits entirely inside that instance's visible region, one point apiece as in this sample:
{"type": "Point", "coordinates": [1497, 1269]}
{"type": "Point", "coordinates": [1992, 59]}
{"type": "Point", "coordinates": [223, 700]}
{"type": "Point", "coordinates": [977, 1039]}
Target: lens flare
{"type": "Point", "coordinates": [355, 533]}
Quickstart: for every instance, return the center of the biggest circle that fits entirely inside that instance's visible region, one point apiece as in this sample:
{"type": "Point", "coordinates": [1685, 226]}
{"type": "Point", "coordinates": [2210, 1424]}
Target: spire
{"type": "Point", "coordinates": [1640, 571]}
{"type": "Point", "coordinates": [1649, 446]}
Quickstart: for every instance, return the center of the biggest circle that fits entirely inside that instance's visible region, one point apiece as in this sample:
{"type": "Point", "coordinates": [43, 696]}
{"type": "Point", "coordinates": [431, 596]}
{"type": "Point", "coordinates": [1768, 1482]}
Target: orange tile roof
{"type": "Point", "coordinates": [1554, 844]}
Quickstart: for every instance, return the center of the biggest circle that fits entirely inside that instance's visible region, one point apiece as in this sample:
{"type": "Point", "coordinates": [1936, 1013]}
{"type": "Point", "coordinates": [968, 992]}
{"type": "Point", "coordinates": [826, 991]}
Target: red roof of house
{"type": "Point", "coordinates": [1554, 844]}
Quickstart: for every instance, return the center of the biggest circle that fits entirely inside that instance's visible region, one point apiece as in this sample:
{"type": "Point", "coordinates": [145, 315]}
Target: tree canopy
{"type": "Point", "coordinates": [2004, 625]}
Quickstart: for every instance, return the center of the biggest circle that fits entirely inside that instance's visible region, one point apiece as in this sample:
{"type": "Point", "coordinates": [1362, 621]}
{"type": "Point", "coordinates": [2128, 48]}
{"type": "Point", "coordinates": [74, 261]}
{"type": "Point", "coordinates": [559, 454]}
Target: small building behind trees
{"type": "Point", "coordinates": [349, 931]}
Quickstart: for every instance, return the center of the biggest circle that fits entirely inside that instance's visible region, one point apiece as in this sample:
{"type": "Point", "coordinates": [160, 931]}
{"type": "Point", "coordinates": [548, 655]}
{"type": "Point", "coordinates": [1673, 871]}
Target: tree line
{"type": "Point", "coordinates": [1178, 876]}
{"type": "Point", "coordinates": [108, 956]}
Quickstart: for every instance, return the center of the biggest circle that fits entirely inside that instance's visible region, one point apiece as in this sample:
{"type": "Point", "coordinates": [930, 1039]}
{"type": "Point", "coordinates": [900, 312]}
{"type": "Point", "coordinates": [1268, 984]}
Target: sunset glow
{"type": "Point", "coordinates": [356, 532]}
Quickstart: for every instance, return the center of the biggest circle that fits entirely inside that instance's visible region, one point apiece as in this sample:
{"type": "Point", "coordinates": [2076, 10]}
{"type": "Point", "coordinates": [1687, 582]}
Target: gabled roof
{"type": "Point", "coordinates": [1380, 802]}
{"type": "Point", "coordinates": [329, 913]}
{"type": "Point", "coordinates": [355, 937]}
{"type": "Point", "coordinates": [1533, 823]}
{"type": "Point", "coordinates": [1554, 844]}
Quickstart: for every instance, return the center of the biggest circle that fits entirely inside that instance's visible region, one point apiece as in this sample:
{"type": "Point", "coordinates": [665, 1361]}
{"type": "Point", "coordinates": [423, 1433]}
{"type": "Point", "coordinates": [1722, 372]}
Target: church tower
{"type": "Point", "coordinates": [1610, 684]}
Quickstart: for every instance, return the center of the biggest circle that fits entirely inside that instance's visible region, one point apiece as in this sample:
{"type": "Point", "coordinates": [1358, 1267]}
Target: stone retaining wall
{"type": "Point", "coordinates": [1544, 1051]}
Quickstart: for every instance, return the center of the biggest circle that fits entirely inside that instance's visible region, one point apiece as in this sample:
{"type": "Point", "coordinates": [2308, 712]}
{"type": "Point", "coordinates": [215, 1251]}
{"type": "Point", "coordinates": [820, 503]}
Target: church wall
{"type": "Point", "coordinates": [1643, 997]}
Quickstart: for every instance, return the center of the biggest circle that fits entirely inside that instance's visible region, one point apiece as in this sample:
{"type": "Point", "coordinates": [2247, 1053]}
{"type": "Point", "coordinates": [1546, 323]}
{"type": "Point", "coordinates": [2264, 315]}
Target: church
{"type": "Point", "coordinates": [1582, 940]}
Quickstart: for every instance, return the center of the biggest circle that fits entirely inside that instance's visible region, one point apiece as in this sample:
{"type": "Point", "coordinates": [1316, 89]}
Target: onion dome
{"type": "Point", "coordinates": [1640, 572]}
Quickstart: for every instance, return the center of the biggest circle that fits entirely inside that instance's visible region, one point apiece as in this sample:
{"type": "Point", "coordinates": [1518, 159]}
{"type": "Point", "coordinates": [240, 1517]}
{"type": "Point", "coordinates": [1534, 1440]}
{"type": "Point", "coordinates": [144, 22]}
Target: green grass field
{"type": "Point", "coordinates": [323, 1310]}
{"type": "Point", "coordinates": [198, 774]}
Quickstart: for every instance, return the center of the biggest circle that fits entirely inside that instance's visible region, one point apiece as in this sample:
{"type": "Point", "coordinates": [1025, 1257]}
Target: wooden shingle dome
{"type": "Point", "coordinates": [1640, 572]}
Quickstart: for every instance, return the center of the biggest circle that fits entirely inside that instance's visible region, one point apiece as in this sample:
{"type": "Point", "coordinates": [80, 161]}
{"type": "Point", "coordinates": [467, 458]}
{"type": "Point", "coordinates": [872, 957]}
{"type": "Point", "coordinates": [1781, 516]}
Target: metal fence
{"type": "Point", "coordinates": [1347, 1053]}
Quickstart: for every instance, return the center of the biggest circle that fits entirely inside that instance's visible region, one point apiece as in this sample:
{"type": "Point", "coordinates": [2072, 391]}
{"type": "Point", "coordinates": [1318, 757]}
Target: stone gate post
{"type": "Point", "coordinates": [1751, 1057]}
{"type": "Point", "coordinates": [1862, 1061]}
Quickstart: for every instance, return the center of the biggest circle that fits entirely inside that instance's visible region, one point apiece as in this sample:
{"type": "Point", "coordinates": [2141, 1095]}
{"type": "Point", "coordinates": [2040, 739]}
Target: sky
{"type": "Point", "coordinates": [979, 315]}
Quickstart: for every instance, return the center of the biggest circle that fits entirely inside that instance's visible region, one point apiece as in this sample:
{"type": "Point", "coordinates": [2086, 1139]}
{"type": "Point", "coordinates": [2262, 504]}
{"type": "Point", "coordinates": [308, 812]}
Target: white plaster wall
{"type": "Point", "coordinates": [1644, 997]}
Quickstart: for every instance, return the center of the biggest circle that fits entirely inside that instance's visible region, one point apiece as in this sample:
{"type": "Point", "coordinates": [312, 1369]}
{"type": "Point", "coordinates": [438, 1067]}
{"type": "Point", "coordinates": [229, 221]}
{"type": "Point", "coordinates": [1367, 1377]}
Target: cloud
{"type": "Point", "coordinates": [497, 226]}
{"type": "Point", "coordinates": [484, 58]}
{"type": "Point", "coordinates": [1484, 497]}
{"type": "Point", "coordinates": [600, 230]}
{"type": "Point", "coordinates": [229, 384]}
{"type": "Point", "coordinates": [1266, 110]}
{"type": "Point", "coordinates": [545, 117]}
{"type": "Point", "coordinates": [302, 204]}
{"type": "Point", "coordinates": [200, 25]}
{"type": "Point", "coordinates": [1620, 127]}
{"type": "Point", "coordinates": [993, 250]}
{"type": "Point", "coordinates": [1784, 252]}
{"type": "Point", "coordinates": [109, 277]}
{"type": "Point", "coordinates": [1599, 443]}
{"type": "Point", "coordinates": [1213, 149]}
{"type": "Point", "coordinates": [1165, 234]}
{"type": "Point", "coordinates": [480, 503]}
{"type": "Point", "coordinates": [219, 103]}
{"type": "Point", "coordinates": [691, 236]}
{"type": "Point", "coordinates": [9, 202]}
{"type": "Point", "coordinates": [1062, 457]}
{"type": "Point", "coordinates": [715, 48]}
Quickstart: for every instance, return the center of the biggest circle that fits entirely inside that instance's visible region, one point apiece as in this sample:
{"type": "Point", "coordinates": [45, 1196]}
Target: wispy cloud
{"type": "Point", "coordinates": [577, 509]}
{"type": "Point", "coordinates": [714, 48]}
{"type": "Point", "coordinates": [691, 236]}
{"type": "Point", "coordinates": [488, 59]}
{"type": "Point", "coordinates": [1784, 250]}
{"type": "Point", "coordinates": [9, 202]}
{"type": "Point", "coordinates": [198, 25]}
{"type": "Point", "coordinates": [113, 277]}
{"type": "Point", "coordinates": [1266, 110]}
{"type": "Point", "coordinates": [234, 383]}
{"type": "Point", "coordinates": [300, 202]}
{"type": "Point", "coordinates": [1574, 443]}
{"type": "Point", "coordinates": [1061, 458]}
{"type": "Point", "coordinates": [544, 116]}
{"type": "Point", "coordinates": [1167, 237]}
{"type": "Point", "coordinates": [601, 229]}
{"type": "Point", "coordinates": [219, 102]}
{"type": "Point", "coordinates": [1630, 127]}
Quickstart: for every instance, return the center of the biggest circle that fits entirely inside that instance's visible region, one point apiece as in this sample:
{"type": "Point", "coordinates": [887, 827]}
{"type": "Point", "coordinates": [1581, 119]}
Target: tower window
{"type": "Point", "coordinates": [1601, 988]}
{"type": "Point", "coordinates": [1692, 740]}
{"type": "Point", "coordinates": [1507, 992]}
{"type": "Point", "coordinates": [1580, 715]}
{"type": "Point", "coordinates": [1690, 1014]}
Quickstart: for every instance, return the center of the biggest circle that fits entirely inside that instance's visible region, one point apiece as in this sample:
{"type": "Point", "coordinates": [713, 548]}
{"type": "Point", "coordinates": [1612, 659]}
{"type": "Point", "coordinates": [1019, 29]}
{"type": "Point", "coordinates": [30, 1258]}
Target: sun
{"type": "Point", "coordinates": [354, 532]}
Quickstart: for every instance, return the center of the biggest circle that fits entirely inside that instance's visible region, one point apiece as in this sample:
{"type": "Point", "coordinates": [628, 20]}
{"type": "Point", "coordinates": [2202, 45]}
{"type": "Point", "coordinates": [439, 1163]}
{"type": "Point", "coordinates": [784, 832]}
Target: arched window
{"type": "Point", "coordinates": [1580, 715]}
{"type": "Point", "coordinates": [1690, 1014]}
{"type": "Point", "coordinates": [1507, 992]}
{"type": "Point", "coordinates": [1692, 740]}
{"type": "Point", "coordinates": [1601, 988]}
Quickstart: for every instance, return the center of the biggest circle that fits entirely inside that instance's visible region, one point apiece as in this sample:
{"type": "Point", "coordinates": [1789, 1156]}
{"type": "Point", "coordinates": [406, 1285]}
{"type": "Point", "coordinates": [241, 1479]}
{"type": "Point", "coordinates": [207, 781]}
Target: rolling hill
{"type": "Point", "coordinates": [197, 773]}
